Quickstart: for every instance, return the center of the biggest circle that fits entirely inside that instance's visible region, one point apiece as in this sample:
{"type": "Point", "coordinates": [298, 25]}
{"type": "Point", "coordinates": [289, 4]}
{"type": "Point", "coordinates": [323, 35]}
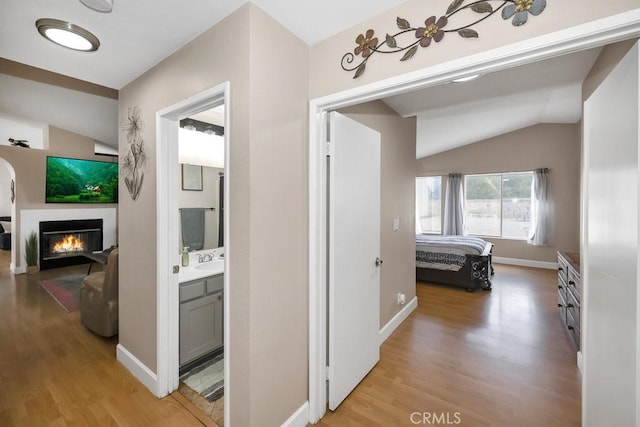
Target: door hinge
{"type": "Point", "coordinates": [329, 149]}
{"type": "Point", "coordinates": [328, 373]}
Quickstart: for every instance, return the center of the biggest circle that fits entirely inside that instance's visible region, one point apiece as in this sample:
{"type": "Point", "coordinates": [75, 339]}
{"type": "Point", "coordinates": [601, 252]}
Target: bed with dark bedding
{"type": "Point", "coordinates": [461, 261]}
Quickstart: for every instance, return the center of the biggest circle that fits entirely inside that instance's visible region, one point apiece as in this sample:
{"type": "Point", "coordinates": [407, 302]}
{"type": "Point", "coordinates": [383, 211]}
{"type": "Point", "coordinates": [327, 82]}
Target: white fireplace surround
{"type": "Point", "coordinates": [30, 221]}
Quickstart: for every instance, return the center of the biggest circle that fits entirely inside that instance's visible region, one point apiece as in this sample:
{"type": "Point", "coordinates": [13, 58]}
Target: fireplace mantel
{"type": "Point", "coordinates": [31, 218]}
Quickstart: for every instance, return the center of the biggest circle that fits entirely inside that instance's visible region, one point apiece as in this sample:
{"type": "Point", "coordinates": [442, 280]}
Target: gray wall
{"type": "Point", "coordinates": [554, 146]}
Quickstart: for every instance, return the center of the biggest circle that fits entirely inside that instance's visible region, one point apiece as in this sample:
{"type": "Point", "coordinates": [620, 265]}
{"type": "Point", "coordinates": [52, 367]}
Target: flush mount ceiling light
{"type": "Point", "coordinates": [67, 35]}
{"type": "Point", "coordinates": [103, 6]}
{"type": "Point", "coordinates": [466, 79]}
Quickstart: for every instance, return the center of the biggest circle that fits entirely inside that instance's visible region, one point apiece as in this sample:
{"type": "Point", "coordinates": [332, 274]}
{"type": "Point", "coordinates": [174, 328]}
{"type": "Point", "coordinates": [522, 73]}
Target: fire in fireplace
{"type": "Point", "coordinates": [68, 244]}
{"type": "Point", "coordinates": [63, 243]}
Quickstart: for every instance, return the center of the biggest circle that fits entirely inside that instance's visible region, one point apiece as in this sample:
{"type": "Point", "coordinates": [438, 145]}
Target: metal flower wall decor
{"type": "Point", "coordinates": [435, 28]}
{"type": "Point", "coordinates": [136, 157]}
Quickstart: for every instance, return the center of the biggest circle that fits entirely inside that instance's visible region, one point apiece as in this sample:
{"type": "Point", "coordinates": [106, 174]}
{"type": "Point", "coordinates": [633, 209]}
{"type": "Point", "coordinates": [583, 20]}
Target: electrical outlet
{"type": "Point", "coordinates": [401, 298]}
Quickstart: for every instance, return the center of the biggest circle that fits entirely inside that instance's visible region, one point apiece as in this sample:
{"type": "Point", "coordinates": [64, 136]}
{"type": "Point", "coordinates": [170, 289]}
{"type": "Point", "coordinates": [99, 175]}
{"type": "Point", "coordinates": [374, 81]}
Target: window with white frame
{"type": "Point", "coordinates": [428, 205]}
{"type": "Point", "coordinates": [498, 205]}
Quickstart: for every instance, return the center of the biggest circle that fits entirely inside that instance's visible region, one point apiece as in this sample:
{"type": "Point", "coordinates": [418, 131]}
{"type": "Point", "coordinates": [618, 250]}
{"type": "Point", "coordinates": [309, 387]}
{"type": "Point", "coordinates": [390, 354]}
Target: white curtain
{"type": "Point", "coordinates": [540, 209]}
{"type": "Point", "coordinates": [453, 206]}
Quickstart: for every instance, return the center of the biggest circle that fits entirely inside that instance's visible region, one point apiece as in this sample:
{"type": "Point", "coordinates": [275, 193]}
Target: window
{"type": "Point", "coordinates": [428, 205]}
{"type": "Point", "coordinates": [498, 204]}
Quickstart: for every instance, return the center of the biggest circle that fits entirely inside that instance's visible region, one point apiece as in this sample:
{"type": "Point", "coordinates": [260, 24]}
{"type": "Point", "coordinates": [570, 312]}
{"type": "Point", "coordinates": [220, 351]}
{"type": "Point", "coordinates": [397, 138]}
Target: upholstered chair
{"type": "Point", "coordinates": [99, 299]}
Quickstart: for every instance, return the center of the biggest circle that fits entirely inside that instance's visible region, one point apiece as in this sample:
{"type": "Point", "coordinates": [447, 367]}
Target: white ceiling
{"type": "Point", "coordinates": [137, 35]}
{"type": "Point", "coordinates": [457, 114]}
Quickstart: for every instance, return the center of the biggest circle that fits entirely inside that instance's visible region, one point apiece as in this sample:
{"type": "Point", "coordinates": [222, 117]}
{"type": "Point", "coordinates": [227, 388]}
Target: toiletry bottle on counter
{"type": "Point", "coordinates": [185, 256]}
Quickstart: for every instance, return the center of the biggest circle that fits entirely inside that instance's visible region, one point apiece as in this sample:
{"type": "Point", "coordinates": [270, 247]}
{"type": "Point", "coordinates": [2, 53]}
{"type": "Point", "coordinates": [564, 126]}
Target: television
{"type": "Point", "coordinates": [81, 181]}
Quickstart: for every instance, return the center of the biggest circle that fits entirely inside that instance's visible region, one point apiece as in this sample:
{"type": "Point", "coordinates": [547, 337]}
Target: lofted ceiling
{"type": "Point", "coordinates": [137, 35]}
{"type": "Point", "coordinates": [457, 114]}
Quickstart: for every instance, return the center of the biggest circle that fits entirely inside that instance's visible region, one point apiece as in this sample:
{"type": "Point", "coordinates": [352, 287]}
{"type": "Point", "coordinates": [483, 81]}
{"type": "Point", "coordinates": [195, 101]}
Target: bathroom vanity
{"type": "Point", "coordinates": [201, 310]}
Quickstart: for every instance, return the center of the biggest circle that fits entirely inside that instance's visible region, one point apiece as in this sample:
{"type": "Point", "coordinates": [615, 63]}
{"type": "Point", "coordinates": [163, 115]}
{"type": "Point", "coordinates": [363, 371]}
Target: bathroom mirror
{"type": "Point", "coordinates": [201, 151]}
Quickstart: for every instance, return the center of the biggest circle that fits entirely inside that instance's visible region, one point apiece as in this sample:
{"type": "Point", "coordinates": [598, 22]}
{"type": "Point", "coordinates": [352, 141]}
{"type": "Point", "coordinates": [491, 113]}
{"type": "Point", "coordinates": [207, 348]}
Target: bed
{"type": "Point", "coordinates": [461, 261]}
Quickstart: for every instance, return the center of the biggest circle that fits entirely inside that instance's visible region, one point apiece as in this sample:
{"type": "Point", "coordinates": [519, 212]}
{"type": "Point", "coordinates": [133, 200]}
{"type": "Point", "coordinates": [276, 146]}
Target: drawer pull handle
{"type": "Point", "coordinates": [570, 305]}
{"type": "Point", "coordinates": [560, 269]}
{"type": "Point", "coordinates": [560, 287]}
{"type": "Point", "coordinates": [570, 327]}
{"type": "Point", "coordinates": [571, 282]}
{"type": "Point", "coordinates": [560, 305]}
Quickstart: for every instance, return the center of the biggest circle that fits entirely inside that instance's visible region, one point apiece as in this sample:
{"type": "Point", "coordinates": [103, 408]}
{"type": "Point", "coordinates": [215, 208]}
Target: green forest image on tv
{"type": "Point", "coordinates": [81, 181]}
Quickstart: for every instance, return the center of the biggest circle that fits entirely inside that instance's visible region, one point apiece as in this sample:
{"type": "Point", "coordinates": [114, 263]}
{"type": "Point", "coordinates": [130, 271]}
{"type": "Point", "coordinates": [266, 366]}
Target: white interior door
{"type": "Point", "coordinates": [610, 249]}
{"type": "Point", "coordinates": [354, 248]}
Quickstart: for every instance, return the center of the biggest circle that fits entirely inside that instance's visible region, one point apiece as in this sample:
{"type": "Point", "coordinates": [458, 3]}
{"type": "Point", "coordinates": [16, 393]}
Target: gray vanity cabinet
{"type": "Point", "coordinates": [201, 317]}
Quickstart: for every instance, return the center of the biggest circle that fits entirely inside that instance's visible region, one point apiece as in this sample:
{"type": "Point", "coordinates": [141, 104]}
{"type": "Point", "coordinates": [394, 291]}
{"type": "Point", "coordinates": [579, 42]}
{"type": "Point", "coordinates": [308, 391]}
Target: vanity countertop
{"type": "Point", "coordinates": [197, 270]}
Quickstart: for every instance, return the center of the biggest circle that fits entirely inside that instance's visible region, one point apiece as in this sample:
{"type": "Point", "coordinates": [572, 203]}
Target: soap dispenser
{"type": "Point", "coordinates": [185, 256]}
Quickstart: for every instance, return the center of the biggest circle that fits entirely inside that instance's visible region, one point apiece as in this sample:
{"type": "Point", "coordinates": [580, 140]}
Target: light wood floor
{"type": "Point", "coordinates": [499, 358]}
{"type": "Point", "coordinates": [55, 372]}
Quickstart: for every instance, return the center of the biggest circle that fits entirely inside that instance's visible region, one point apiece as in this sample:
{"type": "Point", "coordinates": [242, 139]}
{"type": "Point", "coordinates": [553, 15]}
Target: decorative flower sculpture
{"type": "Point", "coordinates": [136, 157]}
{"type": "Point", "coordinates": [520, 10]}
{"type": "Point", "coordinates": [431, 30]}
{"type": "Point", "coordinates": [365, 44]}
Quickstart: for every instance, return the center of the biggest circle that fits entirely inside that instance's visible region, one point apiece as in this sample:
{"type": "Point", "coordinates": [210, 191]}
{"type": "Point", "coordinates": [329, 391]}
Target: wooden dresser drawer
{"type": "Point", "coordinates": [573, 307]}
{"type": "Point", "coordinates": [563, 269]}
{"type": "Point", "coordinates": [574, 282]}
{"type": "Point", "coordinates": [574, 329]}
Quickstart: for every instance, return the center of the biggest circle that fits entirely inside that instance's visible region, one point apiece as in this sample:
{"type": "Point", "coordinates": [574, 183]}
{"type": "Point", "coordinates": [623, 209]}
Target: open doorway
{"type": "Point", "coordinates": [204, 271]}
{"type": "Point", "coordinates": [564, 42]}
{"type": "Point", "coordinates": [7, 217]}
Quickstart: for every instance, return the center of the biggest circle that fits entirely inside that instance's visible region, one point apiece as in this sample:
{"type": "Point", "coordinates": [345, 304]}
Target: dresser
{"type": "Point", "coordinates": [569, 291]}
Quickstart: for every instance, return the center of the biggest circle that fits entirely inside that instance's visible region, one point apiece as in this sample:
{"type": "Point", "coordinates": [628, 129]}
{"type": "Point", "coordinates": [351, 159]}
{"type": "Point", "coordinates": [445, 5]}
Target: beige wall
{"type": "Point", "coordinates": [554, 146]}
{"type": "Point", "coordinates": [267, 68]}
{"type": "Point", "coordinates": [398, 152]}
{"type": "Point", "coordinates": [30, 167]}
{"type": "Point", "coordinates": [326, 75]}
{"type": "Point", "coordinates": [605, 63]}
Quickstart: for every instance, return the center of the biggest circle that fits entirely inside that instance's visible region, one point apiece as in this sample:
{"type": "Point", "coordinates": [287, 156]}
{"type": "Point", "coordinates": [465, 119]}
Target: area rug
{"type": "Point", "coordinates": [207, 379]}
{"type": "Point", "coordinates": [65, 290]}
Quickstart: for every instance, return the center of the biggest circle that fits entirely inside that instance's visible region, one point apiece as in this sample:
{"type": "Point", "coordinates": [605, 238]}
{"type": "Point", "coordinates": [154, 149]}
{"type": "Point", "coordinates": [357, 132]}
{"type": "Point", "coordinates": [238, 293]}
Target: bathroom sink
{"type": "Point", "coordinates": [216, 264]}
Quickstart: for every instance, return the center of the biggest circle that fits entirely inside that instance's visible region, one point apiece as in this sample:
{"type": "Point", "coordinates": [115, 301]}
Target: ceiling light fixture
{"type": "Point", "coordinates": [68, 35]}
{"type": "Point", "coordinates": [466, 79]}
{"type": "Point", "coordinates": [103, 6]}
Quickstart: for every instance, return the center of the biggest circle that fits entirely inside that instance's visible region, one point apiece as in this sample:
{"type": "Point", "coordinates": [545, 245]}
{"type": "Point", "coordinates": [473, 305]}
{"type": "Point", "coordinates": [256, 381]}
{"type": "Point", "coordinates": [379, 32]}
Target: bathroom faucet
{"type": "Point", "coordinates": [205, 257]}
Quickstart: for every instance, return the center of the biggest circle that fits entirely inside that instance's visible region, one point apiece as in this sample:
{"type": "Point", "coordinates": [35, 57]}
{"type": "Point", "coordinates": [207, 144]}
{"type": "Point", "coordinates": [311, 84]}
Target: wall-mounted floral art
{"type": "Point", "coordinates": [134, 160]}
{"type": "Point", "coordinates": [435, 28]}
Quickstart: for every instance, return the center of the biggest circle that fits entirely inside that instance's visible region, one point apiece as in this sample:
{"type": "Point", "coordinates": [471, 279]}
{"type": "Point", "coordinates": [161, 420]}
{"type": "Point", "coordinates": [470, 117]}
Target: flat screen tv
{"type": "Point", "coordinates": [81, 181]}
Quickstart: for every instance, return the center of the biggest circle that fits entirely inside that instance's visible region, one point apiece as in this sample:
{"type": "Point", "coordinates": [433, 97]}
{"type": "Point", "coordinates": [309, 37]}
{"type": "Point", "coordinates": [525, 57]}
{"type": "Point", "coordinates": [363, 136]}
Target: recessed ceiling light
{"type": "Point", "coordinates": [67, 34]}
{"type": "Point", "coordinates": [466, 79]}
{"type": "Point", "coordinates": [103, 6]}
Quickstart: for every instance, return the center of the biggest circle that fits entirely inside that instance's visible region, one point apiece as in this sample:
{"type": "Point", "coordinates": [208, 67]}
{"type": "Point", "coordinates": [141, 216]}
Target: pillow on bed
{"type": "Point", "coordinates": [6, 227]}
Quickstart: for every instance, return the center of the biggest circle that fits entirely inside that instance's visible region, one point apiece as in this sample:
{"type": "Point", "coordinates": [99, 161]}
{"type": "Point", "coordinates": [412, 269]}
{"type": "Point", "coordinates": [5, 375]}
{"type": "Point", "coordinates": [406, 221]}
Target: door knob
{"type": "Point", "coordinates": [378, 261]}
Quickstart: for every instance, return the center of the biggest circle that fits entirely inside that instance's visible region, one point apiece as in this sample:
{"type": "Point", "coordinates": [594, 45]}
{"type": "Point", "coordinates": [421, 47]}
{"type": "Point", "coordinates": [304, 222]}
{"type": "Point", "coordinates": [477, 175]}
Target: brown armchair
{"type": "Point", "coordinates": [99, 299]}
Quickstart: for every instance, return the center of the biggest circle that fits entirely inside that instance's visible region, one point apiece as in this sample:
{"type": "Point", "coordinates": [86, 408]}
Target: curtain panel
{"type": "Point", "coordinates": [540, 209]}
{"type": "Point", "coordinates": [454, 206]}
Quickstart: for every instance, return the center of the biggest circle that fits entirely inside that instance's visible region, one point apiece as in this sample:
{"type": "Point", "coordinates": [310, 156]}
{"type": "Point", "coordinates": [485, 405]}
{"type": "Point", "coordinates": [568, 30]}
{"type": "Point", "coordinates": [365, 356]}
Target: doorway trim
{"type": "Point", "coordinates": [167, 175]}
{"type": "Point", "coordinates": [585, 36]}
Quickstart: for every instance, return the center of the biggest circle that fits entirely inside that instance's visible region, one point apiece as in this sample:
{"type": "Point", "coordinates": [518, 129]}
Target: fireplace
{"type": "Point", "coordinates": [63, 243]}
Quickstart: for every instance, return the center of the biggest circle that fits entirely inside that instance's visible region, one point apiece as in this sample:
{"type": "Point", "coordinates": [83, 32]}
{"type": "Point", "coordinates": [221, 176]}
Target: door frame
{"type": "Point", "coordinates": [167, 175]}
{"type": "Point", "coordinates": [585, 36]}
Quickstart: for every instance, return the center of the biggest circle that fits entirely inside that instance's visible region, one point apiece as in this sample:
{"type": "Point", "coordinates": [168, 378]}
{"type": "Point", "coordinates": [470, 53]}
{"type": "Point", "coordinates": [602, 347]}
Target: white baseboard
{"type": "Point", "coordinates": [525, 263]}
{"type": "Point", "coordinates": [580, 362]}
{"type": "Point", "coordinates": [400, 317]}
{"type": "Point", "coordinates": [137, 369]}
{"type": "Point", "coordinates": [17, 270]}
{"type": "Point", "coordinates": [300, 418]}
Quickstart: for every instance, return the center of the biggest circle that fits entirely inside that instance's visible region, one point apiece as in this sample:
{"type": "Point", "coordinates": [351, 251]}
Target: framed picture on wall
{"type": "Point", "coordinates": [191, 177]}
